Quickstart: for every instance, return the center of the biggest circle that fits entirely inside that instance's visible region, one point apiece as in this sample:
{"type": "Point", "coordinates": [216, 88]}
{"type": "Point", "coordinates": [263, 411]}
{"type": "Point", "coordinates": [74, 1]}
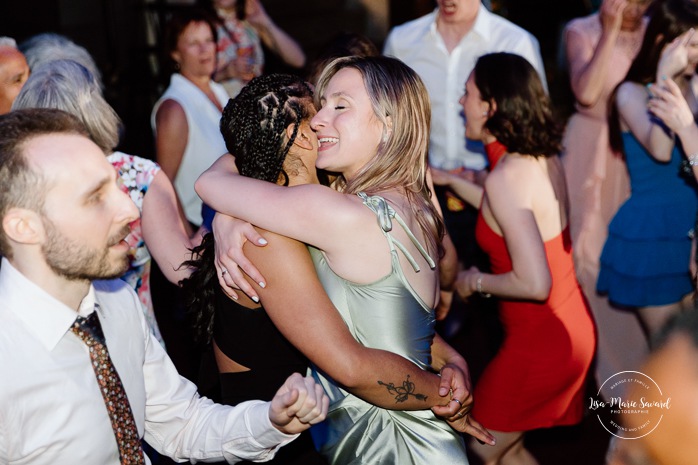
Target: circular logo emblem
{"type": "Point", "coordinates": [634, 406]}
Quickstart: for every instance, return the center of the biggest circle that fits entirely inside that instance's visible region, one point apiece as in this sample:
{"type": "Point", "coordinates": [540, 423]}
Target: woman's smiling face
{"type": "Point", "coordinates": [475, 109]}
{"type": "Point", "coordinates": [348, 130]}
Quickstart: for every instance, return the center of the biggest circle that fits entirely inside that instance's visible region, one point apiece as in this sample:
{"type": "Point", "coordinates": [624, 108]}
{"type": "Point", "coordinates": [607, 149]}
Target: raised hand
{"type": "Point", "coordinates": [255, 14]}
{"type": "Point", "coordinates": [668, 104]}
{"type": "Point", "coordinates": [674, 58]}
{"type": "Point", "coordinates": [611, 14]}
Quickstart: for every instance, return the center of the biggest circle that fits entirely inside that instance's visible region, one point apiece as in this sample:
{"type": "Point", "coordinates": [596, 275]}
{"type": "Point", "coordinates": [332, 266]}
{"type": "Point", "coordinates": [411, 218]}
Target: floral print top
{"type": "Point", "coordinates": [238, 39]}
{"type": "Point", "coordinates": [135, 176]}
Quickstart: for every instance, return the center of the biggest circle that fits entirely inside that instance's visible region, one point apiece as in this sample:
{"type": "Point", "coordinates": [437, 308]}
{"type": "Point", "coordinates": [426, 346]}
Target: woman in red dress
{"type": "Point", "coordinates": [537, 379]}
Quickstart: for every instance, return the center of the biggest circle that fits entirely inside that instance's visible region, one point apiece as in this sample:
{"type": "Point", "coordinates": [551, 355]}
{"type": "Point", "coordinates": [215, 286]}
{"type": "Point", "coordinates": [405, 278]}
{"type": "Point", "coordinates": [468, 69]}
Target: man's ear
{"type": "Point", "coordinates": [304, 137]}
{"type": "Point", "coordinates": [23, 226]}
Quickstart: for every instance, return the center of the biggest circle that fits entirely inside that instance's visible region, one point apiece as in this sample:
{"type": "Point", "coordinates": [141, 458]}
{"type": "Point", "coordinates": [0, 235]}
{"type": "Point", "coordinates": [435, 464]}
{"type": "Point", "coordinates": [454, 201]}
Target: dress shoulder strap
{"type": "Point", "coordinates": [385, 214]}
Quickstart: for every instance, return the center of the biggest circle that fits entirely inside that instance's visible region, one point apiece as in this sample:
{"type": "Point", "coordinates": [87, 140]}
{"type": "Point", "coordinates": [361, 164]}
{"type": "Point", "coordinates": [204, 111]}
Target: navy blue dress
{"type": "Point", "coordinates": [645, 261]}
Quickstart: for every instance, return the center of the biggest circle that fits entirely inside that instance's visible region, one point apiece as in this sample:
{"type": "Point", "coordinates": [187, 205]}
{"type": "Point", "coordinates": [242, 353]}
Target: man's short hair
{"type": "Point", "coordinates": [20, 185]}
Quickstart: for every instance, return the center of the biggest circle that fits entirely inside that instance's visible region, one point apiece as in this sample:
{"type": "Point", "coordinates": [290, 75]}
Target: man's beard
{"type": "Point", "coordinates": [72, 260]}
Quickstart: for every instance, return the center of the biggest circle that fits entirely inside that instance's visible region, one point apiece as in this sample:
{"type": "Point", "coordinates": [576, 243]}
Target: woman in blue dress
{"type": "Point", "coordinates": [645, 261]}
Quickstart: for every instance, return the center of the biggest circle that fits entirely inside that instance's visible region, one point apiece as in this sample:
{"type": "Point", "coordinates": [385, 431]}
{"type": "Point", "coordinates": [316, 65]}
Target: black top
{"type": "Point", "coordinates": [249, 337]}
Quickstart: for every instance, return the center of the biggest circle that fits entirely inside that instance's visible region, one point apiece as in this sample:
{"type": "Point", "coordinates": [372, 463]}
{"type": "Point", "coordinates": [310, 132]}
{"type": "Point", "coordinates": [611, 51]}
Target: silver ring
{"type": "Point", "coordinates": [225, 271]}
{"type": "Point", "coordinates": [456, 400]}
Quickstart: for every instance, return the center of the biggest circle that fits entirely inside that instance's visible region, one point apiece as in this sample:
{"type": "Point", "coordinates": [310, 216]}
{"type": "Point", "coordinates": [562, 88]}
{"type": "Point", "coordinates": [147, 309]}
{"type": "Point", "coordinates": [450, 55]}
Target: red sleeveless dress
{"type": "Point", "coordinates": [537, 378]}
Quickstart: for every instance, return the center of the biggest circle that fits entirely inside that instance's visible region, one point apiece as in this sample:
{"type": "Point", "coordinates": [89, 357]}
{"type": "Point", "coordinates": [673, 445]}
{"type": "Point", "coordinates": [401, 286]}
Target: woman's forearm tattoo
{"type": "Point", "coordinates": [402, 393]}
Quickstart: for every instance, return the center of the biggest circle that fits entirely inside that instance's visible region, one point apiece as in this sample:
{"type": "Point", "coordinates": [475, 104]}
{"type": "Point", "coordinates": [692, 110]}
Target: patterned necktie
{"type": "Point", "coordinates": [122, 422]}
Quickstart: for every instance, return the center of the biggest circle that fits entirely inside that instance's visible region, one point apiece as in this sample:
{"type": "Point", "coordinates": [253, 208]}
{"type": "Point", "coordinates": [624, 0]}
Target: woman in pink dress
{"type": "Point", "coordinates": [600, 48]}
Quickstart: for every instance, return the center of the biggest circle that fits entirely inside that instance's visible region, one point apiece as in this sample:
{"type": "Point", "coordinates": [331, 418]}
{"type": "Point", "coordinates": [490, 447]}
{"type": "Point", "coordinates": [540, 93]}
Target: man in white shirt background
{"type": "Point", "coordinates": [63, 224]}
{"type": "Point", "coordinates": [442, 47]}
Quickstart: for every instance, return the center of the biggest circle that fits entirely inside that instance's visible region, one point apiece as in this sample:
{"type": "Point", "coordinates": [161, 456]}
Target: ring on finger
{"type": "Point", "coordinates": [456, 400]}
{"type": "Point", "coordinates": [223, 273]}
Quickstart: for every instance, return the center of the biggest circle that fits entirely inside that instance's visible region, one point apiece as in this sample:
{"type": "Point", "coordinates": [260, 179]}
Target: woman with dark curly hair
{"type": "Point", "coordinates": [251, 354]}
{"type": "Point", "coordinates": [537, 378]}
{"type": "Point", "coordinates": [256, 342]}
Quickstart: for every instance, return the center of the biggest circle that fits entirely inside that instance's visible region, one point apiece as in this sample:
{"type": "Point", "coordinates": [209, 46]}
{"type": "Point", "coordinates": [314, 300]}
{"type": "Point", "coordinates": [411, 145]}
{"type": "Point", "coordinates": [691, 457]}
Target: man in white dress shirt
{"type": "Point", "coordinates": [442, 47]}
{"type": "Point", "coordinates": [63, 224]}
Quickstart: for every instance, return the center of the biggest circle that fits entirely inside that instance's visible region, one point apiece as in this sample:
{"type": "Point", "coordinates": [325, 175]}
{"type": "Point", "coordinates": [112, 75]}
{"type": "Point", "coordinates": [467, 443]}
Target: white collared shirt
{"type": "Point", "coordinates": [51, 410]}
{"type": "Point", "coordinates": [419, 45]}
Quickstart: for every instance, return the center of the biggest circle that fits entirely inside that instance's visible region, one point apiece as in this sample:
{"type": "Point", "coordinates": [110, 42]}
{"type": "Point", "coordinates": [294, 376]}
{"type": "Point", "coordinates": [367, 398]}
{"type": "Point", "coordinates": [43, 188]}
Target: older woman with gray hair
{"type": "Point", "coordinates": [49, 46]}
{"type": "Point", "coordinates": [69, 86]}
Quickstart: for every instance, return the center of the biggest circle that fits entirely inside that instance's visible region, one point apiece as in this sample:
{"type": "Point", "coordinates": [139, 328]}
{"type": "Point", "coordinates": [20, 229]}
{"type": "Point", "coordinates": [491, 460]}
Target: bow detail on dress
{"type": "Point", "coordinates": [385, 213]}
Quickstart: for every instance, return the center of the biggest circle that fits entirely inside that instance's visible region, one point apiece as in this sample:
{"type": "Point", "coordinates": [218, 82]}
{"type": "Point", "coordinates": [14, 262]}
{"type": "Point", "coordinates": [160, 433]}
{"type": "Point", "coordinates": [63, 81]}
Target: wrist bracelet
{"type": "Point", "coordinates": [478, 284]}
{"type": "Point", "coordinates": [693, 159]}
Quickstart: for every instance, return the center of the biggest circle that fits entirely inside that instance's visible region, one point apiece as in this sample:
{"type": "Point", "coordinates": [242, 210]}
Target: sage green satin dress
{"type": "Point", "coordinates": [389, 315]}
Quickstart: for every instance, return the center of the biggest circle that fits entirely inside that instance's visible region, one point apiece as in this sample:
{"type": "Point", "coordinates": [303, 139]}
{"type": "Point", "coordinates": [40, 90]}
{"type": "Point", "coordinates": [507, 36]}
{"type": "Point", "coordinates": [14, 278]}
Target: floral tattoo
{"type": "Point", "coordinates": [402, 393]}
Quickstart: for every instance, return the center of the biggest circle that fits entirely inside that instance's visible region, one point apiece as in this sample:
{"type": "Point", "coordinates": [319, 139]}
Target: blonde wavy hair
{"type": "Point", "coordinates": [401, 102]}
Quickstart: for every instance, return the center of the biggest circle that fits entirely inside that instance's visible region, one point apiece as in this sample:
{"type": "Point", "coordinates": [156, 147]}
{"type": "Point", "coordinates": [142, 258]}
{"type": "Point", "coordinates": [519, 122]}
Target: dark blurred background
{"type": "Point", "coordinates": [124, 36]}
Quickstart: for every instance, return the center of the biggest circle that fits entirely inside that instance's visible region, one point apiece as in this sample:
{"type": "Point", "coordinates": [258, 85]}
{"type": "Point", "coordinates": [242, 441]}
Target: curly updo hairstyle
{"type": "Point", "coordinates": [253, 126]}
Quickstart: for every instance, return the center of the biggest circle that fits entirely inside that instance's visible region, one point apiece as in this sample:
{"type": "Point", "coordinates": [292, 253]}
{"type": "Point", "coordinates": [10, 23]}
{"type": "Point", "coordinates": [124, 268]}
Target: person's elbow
{"type": "Point", "coordinates": [349, 372]}
{"type": "Point", "coordinates": [539, 287]}
{"type": "Point", "coordinates": [586, 98]}
{"type": "Point", "coordinates": [201, 183]}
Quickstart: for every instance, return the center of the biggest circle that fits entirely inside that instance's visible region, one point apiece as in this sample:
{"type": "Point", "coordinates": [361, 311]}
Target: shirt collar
{"type": "Point", "coordinates": [483, 23]}
{"type": "Point", "coordinates": [482, 26]}
{"type": "Point", "coordinates": [45, 316]}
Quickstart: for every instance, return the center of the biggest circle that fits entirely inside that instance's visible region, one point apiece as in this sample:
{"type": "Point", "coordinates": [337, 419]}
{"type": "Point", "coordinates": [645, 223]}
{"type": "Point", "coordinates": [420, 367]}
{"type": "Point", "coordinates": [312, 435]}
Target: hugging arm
{"type": "Point", "coordinates": [444, 355]}
{"type": "Point", "coordinates": [299, 307]}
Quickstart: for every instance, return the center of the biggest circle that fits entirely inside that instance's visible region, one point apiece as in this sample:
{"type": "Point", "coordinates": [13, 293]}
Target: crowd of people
{"type": "Point", "coordinates": [313, 228]}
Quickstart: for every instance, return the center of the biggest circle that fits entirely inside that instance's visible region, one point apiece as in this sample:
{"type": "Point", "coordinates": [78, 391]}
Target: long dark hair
{"type": "Point", "coordinates": [524, 120]}
{"type": "Point", "coordinates": [254, 129]}
{"type": "Point", "coordinates": [669, 19]}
